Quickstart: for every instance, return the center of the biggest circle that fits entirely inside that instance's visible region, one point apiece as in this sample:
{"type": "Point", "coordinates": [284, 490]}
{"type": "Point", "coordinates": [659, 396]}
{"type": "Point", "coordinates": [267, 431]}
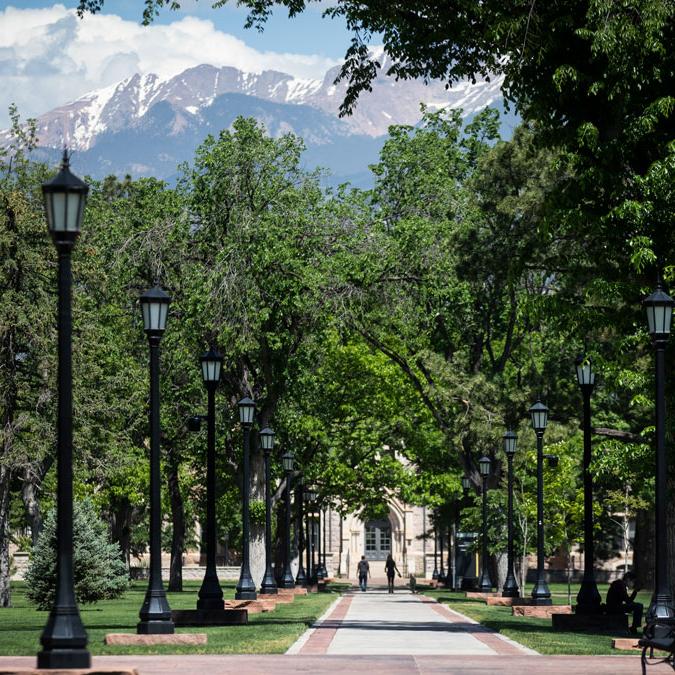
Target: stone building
{"type": "Point", "coordinates": [401, 533]}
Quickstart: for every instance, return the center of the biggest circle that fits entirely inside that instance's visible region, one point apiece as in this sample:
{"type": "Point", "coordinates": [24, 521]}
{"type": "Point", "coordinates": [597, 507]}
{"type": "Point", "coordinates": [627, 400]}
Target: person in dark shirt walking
{"type": "Point", "coordinates": [391, 570]}
{"type": "Point", "coordinates": [619, 602]}
{"type": "Point", "coordinates": [364, 571]}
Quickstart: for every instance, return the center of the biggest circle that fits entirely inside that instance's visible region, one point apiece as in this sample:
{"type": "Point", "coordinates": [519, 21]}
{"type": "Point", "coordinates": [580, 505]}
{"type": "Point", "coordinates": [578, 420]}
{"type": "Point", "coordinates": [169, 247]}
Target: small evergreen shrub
{"type": "Point", "coordinates": [98, 568]}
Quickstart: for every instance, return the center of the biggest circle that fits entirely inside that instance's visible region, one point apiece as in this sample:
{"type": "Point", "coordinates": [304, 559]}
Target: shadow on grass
{"type": "Point", "coordinates": [445, 598]}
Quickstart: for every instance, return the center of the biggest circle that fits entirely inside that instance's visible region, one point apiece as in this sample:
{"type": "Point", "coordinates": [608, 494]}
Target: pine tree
{"type": "Point", "coordinates": [100, 572]}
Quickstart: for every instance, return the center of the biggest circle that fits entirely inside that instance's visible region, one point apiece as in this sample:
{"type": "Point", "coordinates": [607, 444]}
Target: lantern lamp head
{"type": "Point", "coordinates": [212, 363]}
{"type": "Point", "coordinates": [539, 415]}
{"type": "Point", "coordinates": [659, 307]}
{"type": "Point", "coordinates": [466, 482]}
{"type": "Point", "coordinates": [585, 372]}
{"type": "Point", "coordinates": [267, 439]}
{"type": "Point", "coordinates": [246, 411]}
{"type": "Point", "coordinates": [155, 307]}
{"type": "Point", "coordinates": [484, 466]}
{"type": "Point", "coordinates": [64, 200]}
{"type": "Point", "coordinates": [288, 460]}
{"type": "Point", "coordinates": [510, 442]}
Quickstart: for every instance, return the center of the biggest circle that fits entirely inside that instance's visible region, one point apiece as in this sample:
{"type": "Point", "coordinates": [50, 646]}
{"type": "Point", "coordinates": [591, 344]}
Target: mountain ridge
{"type": "Point", "coordinates": [146, 125]}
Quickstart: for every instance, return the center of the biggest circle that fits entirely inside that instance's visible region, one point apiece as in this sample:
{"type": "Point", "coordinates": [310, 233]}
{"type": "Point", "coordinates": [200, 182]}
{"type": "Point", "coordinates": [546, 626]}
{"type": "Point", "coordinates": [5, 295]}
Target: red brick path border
{"type": "Point", "coordinates": [324, 632]}
{"type": "Point", "coordinates": [499, 645]}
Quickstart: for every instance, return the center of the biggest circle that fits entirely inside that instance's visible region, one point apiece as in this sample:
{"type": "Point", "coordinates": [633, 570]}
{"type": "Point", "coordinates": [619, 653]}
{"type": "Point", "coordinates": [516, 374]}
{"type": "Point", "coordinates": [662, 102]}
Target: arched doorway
{"type": "Point", "coordinates": [377, 539]}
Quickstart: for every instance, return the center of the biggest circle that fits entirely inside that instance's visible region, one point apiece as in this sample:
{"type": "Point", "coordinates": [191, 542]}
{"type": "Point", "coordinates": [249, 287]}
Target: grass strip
{"type": "Point", "coordinates": [266, 633]}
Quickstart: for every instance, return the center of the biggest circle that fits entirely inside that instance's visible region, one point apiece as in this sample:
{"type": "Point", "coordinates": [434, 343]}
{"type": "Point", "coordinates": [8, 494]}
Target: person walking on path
{"type": "Point", "coordinates": [364, 571]}
{"type": "Point", "coordinates": [391, 571]}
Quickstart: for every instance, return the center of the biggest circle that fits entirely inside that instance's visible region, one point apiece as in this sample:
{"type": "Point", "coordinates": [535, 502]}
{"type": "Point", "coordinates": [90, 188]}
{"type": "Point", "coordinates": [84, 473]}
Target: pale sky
{"type": "Point", "coordinates": [48, 56]}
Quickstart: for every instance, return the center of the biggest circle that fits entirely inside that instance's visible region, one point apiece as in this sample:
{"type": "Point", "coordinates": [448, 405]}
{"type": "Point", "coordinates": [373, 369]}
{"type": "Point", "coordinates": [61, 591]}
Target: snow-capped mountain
{"type": "Point", "coordinates": [79, 124]}
{"type": "Point", "coordinates": [146, 125]}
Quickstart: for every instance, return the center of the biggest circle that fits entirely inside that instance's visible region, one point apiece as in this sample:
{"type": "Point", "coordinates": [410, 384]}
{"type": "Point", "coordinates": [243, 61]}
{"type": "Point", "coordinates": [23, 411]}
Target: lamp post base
{"type": "Point", "coordinates": [485, 583]}
{"type": "Point", "coordinates": [510, 590]}
{"type": "Point", "coordinates": [155, 627]}
{"type": "Point", "coordinates": [268, 585]}
{"type": "Point", "coordinates": [588, 598]}
{"type": "Point", "coordinates": [245, 595]}
{"type": "Point", "coordinates": [62, 659]}
{"type": "Point", "coordinates": [210, 604]}
{"type": "Point", "coordinates": [660, 609]}
{"type": "Point", "coordinates": [541, 595]}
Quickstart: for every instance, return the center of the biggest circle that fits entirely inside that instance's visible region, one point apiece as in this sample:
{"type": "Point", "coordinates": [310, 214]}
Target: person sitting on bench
{"type": "Point", "coordinates": [619, 602]}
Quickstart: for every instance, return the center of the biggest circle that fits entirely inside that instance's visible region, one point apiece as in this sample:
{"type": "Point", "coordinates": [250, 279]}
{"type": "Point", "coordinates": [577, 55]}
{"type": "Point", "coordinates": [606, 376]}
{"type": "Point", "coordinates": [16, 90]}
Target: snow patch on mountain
{"type": "Point", "coordinates": [124, 105]}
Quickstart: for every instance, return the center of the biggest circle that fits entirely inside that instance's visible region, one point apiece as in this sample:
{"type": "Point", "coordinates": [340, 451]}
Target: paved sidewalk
{"type": "Point", "coordinates": [379, 623]}
{"type": "Point", "coordinates": [372, 665]}
{"type": "Point", "coordinates": [372, 633]}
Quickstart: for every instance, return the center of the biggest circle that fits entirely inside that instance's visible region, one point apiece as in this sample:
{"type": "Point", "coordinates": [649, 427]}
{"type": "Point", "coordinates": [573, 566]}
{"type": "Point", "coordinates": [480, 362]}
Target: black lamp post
{"type": "Point", "coordinates": [246, 587]}
{"type": "Point", "coordinates": [588, 598]}
{"type": "Point", "coordinates": [450, 576]}
{"type": "Point", "coordinates": [434, 574]}
{"type": "Point", "coordinates": [301, 577]}
{"type": "Point", "coordinates": [64, 640]}
{"type": "Point", "coordinates": [441, 572]}
{"type": "Point", "coordinates": [320, 572]}
{"type": "Point", "coordinates": [539, 415]}
{"type": "Point", "coordinates": [268, 585]}
{"type": "Point", "coordinates": [155, 612]}
{"type": "Point", "coordinates": [308, 541]}
{"type": "Point", "coordinates": [485, 583]}
{"type": "Point", "coordinates": [510, 589]}
{"type": "Point", "coordinates": [287, 580]}
{"type": "Point", "coordinates": [323, 545]}
{"type": "Point", "coordinates": [310, 499]}
{"type": "Point", "coordinates": [210, 593]}
{"type": "Point", "coordinates": [659, 308]}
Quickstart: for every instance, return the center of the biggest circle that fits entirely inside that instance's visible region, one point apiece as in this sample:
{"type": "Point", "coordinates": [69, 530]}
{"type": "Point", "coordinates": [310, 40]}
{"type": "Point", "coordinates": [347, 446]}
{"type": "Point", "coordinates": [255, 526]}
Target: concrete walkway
{"type": "Point", "coordinates": [370, 665]}
{"type": "Point", "coordinates": [372, 633]}
{"type": "Point", "coordinates": [379, 623]}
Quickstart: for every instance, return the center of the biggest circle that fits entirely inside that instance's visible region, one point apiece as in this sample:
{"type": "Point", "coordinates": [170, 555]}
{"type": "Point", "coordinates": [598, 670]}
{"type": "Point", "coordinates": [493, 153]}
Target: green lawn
{"type": "Point", "coordinates": [537, 634]}
{"type": "Point", "coordinates": [266, 633]}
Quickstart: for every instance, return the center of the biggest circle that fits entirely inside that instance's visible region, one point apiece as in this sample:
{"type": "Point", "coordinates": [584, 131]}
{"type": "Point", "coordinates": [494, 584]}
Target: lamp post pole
{"type": "Point", "coordinates": [301, 577]}
{"type": "Point", "coordinates": [485, 584]}
{"type": "Point", "coordinates": [320, 574]}
{"type": "Point", "coordinates": [540, 593]}
{"type": "Point", "coordinates": [588, 598]}
{"type": "Point", "coordinates": [155, 612]}
{"type": "Point", "coordinates": [441, 572]}
{"type": "Point", "coordinates": [659, 308]}
{"type": "Point", "coordinates": [323, 564]}
{"type": "Point", "coordinates": [434, 575]}
{"type": "Point", "coordinates": [287, 581]}
{"type": "Point", "coordinates": [308, 545]}
{"type": "Point", "coordinates": [510, 589]}
{"type": "Point", "coordinates": [64, 640]}
{"type": "Point", "coordinates": [246, 587]}
{"type": "Point", "coordinates": [210, 593]}
{"type": "Point", "coordinates": [450, 576]}
{"type": "Point", "coordinates": [269, 584]}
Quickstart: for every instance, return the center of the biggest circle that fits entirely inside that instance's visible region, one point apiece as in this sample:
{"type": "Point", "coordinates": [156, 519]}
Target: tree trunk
{"type": "Point", "coordinates": [643, 550]}
{"type": "Point", "coordinates": [5, 590]}
{"type": "Point", "coordinates": [120, 527]}
{"type": "Point", "coordinates": [257, 532]}
{"type": "Point", "coordinates": [500, 565]}
{"type": "Point", "coordinates": [279, 543]}
{"type": "Point", "coordinates": [30, 491]}
{"type": "Point", "coordinates": [178, 525]}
